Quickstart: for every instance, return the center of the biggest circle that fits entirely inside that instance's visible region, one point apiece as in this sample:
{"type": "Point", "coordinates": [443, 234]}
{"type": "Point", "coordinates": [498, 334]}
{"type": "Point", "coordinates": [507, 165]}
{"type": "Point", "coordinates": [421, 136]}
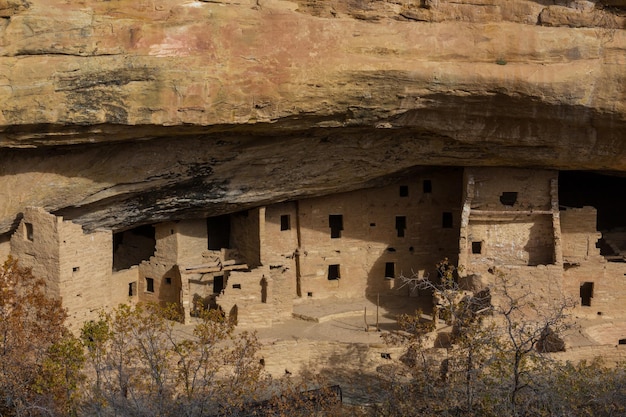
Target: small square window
{"type": "Point", "coordinates": [404, 191]}
{"type": "Point", "coordinates": [427, 186]}
{"type": "Point", "coordinates": [168, 281]}
{"type": "Point", "coordinates": [477, 247]}
{"type": "Point", "coordinates": [29, 231]}
{"type": "Point", "coordinates": [446, 220]}
{"type": "Point", "coordinates": [333, 272]}
{"type": "Point", "coordinates": [149, 284]}
{"type": "Point", "coordinates": [285, 222]}
{"type": "Point", "coordinates": [76, 269]}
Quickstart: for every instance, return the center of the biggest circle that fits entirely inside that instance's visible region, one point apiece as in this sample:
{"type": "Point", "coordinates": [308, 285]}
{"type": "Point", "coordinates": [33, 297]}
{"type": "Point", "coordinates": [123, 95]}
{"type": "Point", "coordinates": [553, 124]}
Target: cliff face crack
{"type": "Point", "coordinates": [61, 53]}
{"type": "Point", "coordinates": [116, 77]}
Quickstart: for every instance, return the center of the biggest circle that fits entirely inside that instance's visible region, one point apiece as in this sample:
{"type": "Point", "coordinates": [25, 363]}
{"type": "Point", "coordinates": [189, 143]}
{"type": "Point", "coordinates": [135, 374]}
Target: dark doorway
{"type": "Point", "coordinates": [149, 284]}
{"type": "Point", "coordinates": [218, 229]}
{"type": "Point", "coordinates": [400, 225]}
{"type": "Point", "coordinates": [285, 222]}
{"type": "Point", "coordinates": [218, 284]}
{"type": "Point", "coordinates": [333, 272]}
{"type": "Point", "coordinates": [586, 293]}
{"type": "Point", "coordinates": [335, 222]}
{"type": "Point", "coordinates": [446, 220]}
{"type": "Point", "coordinates": [132, 289]}
{"type": "Point", "coordinates": [427, 186]}
{"type": "Point", "coordinates": [390, 270]}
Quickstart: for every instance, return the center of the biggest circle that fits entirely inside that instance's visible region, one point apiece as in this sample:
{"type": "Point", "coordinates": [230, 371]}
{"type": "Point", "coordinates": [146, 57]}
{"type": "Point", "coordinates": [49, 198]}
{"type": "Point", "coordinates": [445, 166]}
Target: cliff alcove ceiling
{"type": "Point", "coordinates": [121, 113]}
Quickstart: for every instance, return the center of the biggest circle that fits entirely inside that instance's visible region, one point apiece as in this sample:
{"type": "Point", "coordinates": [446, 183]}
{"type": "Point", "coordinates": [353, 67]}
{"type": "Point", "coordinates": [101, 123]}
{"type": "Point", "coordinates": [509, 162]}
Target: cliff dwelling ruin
{"type": "Point", "coordinates": [561, 234]}
{"type": "Point", "coordinates": [261, 157]}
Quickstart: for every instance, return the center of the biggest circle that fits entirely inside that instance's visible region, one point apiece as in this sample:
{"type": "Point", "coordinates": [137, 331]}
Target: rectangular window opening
{"type": "Point", "coordinates": [586, 294]}
{"type": "Point", "coordinates": [237, 286]}
{"type": "Point", "coordinates": [404, 191]}
{"type": "Point", "coordinates": [218, 230]}
{"type": "Point", "coordinates": [390, 270]}
{"type": "Point", "coordinates": [29, 231]}
{"type": "Point", "coordinates": [400, 225]}
{"type": "Point", "coordinates": [285, 222]}
{"type": "Point", "coordinates": [333, 272]}
{"type": "Point", "coordinates": [149, 284]}
{"type": "Point", "coordinates": [427, 186]}
{"type": "Point", "coordinates": [477, 247]}
{"type": "Point", "coordinates": [76, 269]}
{"type": "Point", "coordinates": [335, 222]}
{"type": "Point", "coordinates": [446, 220]}
{"type": "Point", "coordinates": [132, 289]}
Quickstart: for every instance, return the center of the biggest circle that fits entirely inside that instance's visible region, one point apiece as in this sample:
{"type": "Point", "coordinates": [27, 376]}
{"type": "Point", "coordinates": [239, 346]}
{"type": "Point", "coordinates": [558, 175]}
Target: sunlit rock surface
{"type": "Point", "coordinates": [116, 113]}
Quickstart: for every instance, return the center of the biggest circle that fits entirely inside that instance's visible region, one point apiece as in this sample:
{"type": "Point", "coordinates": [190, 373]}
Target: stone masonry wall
{"type": "Point", "coordinates": [524, 241]}
{"type": "Point", "coordinates": [579, 234]}
{"type": "Point", "coordinates": [39, 250]}
{"type": "Point", "coordinates": [166, 282]}
{"type": "Point", "coordinates": [86, 265]}
{"type": "Point", "coordinates": [76, 266]}
{"type": "Point", "coordinates": [585, 266]}
{"type": "Point", "coordinates": [509, 218]}
{"type": "Point", "coordinates": [278, 243]}
{"type": "Point", "coordinates": [120, 281]}
{"type": "Point", "coordinates": [531, 185]}
{"type": "Point", "coordinates": [192, 241]}
{"type": "Point", "coordinates": [245, 235]}
{"type": "Point", "coordinates": [166, 248]}
{"type": "Point", "coordinates": [427, 210]}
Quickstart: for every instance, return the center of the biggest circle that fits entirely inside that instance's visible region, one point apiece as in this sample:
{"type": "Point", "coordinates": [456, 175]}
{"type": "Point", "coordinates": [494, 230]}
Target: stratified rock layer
{"type": "Point", "coordinates": [115, 113]}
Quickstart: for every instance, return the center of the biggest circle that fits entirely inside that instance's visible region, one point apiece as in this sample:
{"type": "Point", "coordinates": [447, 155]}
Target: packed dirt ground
{"type": "Point", "coordinates": [332, 339]}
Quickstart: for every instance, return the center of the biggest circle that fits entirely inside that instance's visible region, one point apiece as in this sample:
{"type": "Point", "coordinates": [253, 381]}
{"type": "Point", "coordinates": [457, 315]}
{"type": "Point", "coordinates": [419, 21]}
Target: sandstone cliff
{"type": "Point", "coordinates": [116, 112]}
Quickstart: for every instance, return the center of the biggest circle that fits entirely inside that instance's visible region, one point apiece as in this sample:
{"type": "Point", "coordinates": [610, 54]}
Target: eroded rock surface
{"type": "Point", "coordinates": [115, 113]}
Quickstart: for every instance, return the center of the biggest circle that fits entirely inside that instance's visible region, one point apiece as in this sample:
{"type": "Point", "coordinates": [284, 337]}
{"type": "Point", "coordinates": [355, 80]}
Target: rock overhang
{"type": "Point", "coordinates": [183, 109]}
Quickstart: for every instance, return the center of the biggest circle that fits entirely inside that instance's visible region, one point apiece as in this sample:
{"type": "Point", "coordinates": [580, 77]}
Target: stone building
{"type": "Point", "coordinates": [254, 265]}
